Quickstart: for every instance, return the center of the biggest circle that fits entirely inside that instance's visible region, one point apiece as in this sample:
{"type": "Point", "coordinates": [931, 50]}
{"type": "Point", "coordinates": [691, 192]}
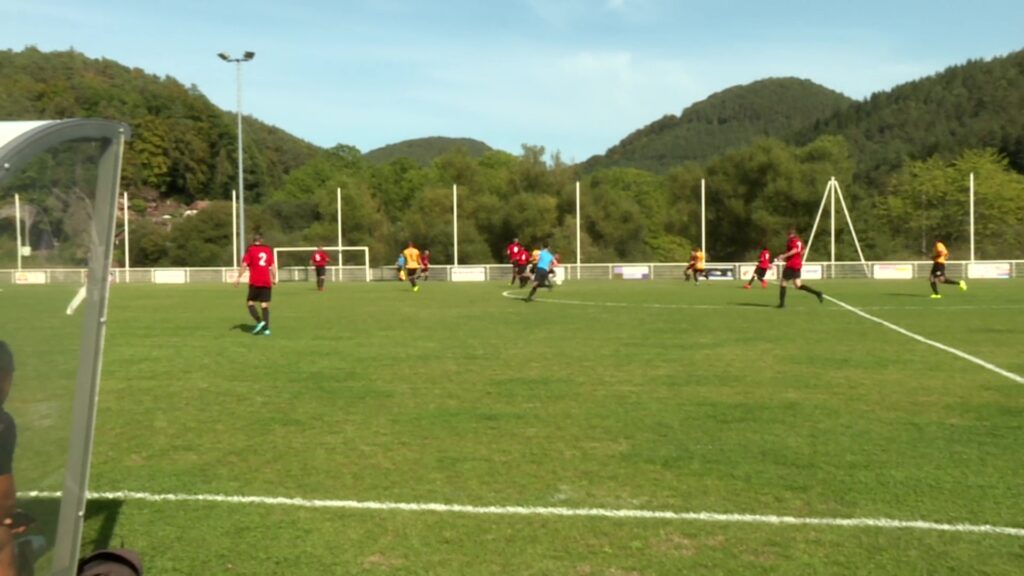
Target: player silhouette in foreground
{"type": "Point", "coordinates": [794, 258]}
{"type": "Point", "coordinates": [938, 273]}
{"type": "Point", "coordinates": [545, 260]}
{"type": "Point", "coordinates": [259, 259]}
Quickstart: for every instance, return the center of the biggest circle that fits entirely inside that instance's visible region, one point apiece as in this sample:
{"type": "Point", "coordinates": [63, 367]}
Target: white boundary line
{"type": "Point", "coordinates": [509, 294]}
{"type": "Point", "coordinates": [550, 511]}
{"type": "Point", "coordinates": [987, 365]}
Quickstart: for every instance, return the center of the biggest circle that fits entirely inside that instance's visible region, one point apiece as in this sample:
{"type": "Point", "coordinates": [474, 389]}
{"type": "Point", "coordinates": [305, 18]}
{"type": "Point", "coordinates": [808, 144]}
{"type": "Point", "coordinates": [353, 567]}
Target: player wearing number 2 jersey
{"type": "Point", "coordinates": [259, 259]}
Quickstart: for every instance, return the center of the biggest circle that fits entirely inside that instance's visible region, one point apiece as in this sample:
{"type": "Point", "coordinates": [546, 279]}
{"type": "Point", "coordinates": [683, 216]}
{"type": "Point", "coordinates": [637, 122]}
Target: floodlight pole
{"type": "Point", "coordinates": [234, 229]}
{"type": "Point", "coordinates": [17, 226]}
{"type": "Point", "coordinates": [247, 56]}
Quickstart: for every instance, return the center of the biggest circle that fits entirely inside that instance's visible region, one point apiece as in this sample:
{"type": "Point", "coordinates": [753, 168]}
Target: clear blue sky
{"type": "Point", "coordinates": [571, 75]}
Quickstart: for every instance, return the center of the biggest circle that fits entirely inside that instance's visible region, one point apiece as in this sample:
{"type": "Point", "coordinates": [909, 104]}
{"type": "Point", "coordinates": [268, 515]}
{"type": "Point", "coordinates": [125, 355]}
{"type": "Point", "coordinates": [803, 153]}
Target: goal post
{"type": "Point", "coordinates": [293, 262]}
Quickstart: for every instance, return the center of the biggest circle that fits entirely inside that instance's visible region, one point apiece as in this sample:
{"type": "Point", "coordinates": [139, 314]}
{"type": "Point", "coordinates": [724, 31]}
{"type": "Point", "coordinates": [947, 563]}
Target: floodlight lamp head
{"type": "Point", "coordinates": [224, 56]}
{"type": "Point", "coordinates": [248, 56]}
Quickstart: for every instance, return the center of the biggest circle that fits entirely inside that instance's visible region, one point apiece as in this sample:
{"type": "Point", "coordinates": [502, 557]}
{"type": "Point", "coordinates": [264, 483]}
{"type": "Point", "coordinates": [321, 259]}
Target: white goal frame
{"type": "Point", "coordinates": [340, 250]}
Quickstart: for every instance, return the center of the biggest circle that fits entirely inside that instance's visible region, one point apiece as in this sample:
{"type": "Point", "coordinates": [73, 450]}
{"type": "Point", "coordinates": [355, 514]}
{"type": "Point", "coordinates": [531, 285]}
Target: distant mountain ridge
{"type": "Point", "coordinates": [424, 150]}
{"type": "Point", "coordinates": [734, 117]}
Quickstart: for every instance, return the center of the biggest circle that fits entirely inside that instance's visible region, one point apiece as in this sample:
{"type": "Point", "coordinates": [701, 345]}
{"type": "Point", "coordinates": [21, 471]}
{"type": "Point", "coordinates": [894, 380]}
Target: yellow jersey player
{"type": "Point", "coordinates": [412, 265]}
{"type": "Point", "coordinates": [938, 274]}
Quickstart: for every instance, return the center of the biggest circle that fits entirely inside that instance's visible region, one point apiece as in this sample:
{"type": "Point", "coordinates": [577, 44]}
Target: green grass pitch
{"type": "Point", "coordinates": [616, 395]}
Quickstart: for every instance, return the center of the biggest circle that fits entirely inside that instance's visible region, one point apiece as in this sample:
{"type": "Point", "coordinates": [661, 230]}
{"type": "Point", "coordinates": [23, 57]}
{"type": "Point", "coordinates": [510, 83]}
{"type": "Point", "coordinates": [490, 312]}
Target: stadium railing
{"type": "Point", "coordinates": [500, 272]}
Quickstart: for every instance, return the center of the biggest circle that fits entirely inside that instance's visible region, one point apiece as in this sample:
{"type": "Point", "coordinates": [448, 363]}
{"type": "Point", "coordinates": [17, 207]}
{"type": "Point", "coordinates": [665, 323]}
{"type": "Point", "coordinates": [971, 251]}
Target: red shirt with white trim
{"type": "Point", "coordinates": [765, 259]}
{"type": "Point", "coordinates": [320, 259]}
{"type": "Point", "coordinates": [259, 258]}
{"type": "Point", "coordinates": [513, 251]}
{"type": "Point", "coordinates": [796, 260]}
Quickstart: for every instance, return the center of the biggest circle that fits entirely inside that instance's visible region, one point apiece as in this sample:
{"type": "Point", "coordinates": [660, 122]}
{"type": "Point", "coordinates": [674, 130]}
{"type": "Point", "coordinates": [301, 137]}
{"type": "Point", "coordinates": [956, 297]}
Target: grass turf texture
{"type": "Point", "coordinates": [458, 395]}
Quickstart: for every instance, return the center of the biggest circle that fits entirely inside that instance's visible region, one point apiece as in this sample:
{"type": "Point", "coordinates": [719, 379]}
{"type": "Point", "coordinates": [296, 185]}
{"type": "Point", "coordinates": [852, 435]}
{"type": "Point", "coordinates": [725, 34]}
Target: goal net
{"type": "Point", "coordinates": [348, 263]}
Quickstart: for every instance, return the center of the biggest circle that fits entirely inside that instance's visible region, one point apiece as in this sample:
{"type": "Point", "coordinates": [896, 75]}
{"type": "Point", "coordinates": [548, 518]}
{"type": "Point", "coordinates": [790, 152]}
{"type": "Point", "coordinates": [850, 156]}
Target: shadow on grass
{"type": "Point", "coordinates": [753, 305]}
{"type": "Point", "coordinates": [47, 511]}
{"type": "Point", "coordinates": [247, 328]}
{"type": "Point", "coordinates": [907, 295]}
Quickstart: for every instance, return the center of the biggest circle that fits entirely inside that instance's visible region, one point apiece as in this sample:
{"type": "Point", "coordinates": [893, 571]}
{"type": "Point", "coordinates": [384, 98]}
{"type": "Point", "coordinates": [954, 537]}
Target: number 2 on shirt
{"type": "Point", "coordinates": [263, 258]}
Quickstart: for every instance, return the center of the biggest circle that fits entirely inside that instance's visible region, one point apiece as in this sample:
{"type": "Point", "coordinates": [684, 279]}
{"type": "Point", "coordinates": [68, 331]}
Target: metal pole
{"type": "Point", "coordinates": [455, 222]}
{"type": "Point", "coordinates": [17, 226]}
{"type": "Point", "coordinates": [972, 216]}
{"type": "Point", "coordinates": [234, 229]}
{"type": "Point", "coordinates": [241, 153]}
{"type": "Point", "coordinates": [703, 221]}
{"type": "Point", "coordinates": [127, 247]}
{"type": "Point", "coordinates": [832, 200]}
{"type": "Point", "coordinates": [340, 253]}
{"type": "Point", "coordinates": [579, 247]}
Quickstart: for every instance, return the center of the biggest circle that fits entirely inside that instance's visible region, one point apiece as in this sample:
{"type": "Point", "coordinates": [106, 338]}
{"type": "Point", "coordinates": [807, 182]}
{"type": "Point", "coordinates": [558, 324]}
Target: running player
{"type": "Point", "coordinates": [543, 266]}
{"type": "Point", "coordinates": [513, 251]}
{"type": "Point", "coordinates": [696, 266]}
{"type": "Point", "coordinates": [764, 261]}
{"type": "Point", "coordinates": [400, 266]}
{"type": "Point", "coordinates": [794, 258]}
{"type": "Point", "coordinates": [938, 273]}
{"type": "Point", "coordinates": [320, 260]}
{"type": "Point", "coordinates": [425, 265]}
{"type": "Point", "coordinates": [522, 263]}
{"type": "Point", "coordinates": [259, 259]}
{"type": "Point", "coordinates": [412, 265]}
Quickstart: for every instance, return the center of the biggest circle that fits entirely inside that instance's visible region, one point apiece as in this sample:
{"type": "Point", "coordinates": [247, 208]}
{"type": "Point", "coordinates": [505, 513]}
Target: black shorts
{"type": "Point", "coordinates": [760, 272]}
{"type": "Point", "coordinates": [540, 276]}
{"type": "Point", "coordinates": [533, 268]}
{"type": "Point", "coordinates": [790, 274]}
{"type": "Point", "coordinates": [938, 269]}
{"type": "Point", "coordinates": [258, 294]}
{"type": "Point", "coordinates": [411, 272]}
{"type": "Point", "coordinates": [520, 269]}
{"type": "Point", "coordinates": [320, 271]}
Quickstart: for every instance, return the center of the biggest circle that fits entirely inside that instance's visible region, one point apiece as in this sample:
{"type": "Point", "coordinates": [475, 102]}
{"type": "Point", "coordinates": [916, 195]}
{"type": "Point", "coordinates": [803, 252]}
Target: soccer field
{"type": "Point", "coordinates": [376, 426]}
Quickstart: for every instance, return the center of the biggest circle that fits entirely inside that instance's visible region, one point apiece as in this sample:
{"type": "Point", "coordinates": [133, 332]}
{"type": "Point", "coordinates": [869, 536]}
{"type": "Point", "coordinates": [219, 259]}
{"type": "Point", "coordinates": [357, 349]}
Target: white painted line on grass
{"type": "Point", "coordinates": [509, 294]}
{"type": "Point", "coordinates": [987, 365]}
{"type": "Point", "coordinates": [550, 511]}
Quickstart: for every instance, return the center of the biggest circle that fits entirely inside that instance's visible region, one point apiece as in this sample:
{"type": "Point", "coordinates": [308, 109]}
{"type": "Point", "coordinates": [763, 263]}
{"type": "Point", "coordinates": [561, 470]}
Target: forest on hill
{"type": "Point", "coordinates": [769, 108]}
{"type": "Point", "coordinates": [902, 157]}
{"type": "Point", "coordinates": [423, 151]}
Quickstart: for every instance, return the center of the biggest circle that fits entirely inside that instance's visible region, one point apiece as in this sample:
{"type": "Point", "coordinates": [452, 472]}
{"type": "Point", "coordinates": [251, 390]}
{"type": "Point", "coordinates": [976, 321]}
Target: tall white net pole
{"type": "Point", "coordinates": [455, 222]}
{"type": "Point", "coordinates": [703, 221]}
{"type": "Point", "coordinates": [127, 246]}
{"type": "Point", "coordinates": [832, 201]}
{"type": "Point", "coordinates": [17, 226]}
{"type": "Point", "coordinates": [972, 216]}
{"type": "Point", "coordinates": [579, 247]}
{"type": "Point", "coordinates": [810, 239]}
{"type": "Point", "coordinates": [853, 232]}
{"type": "Point", "coordinates": [341, 254]}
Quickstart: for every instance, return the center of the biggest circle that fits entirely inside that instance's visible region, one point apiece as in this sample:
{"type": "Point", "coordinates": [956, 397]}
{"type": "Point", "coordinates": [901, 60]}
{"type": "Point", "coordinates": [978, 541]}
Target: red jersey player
{"type": "Point", "coordinates": [425, 265]}
{"type": "Point", "coordinates": [764, 262]}
{"type": "Point", "coordinates": [519, 265]}
{"type": "Point", "coordinates": [320, 260]}
{"type": "Point", "coordinates": [259, 259]}
{"type": "Point", "coordinates": [794, 258]}
{"type": "Point", "coordinates": [512, 251]}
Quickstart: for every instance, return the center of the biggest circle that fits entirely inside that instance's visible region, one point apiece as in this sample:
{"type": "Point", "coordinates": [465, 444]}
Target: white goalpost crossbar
{"type": "Point", "coordinates": [339, 251]}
